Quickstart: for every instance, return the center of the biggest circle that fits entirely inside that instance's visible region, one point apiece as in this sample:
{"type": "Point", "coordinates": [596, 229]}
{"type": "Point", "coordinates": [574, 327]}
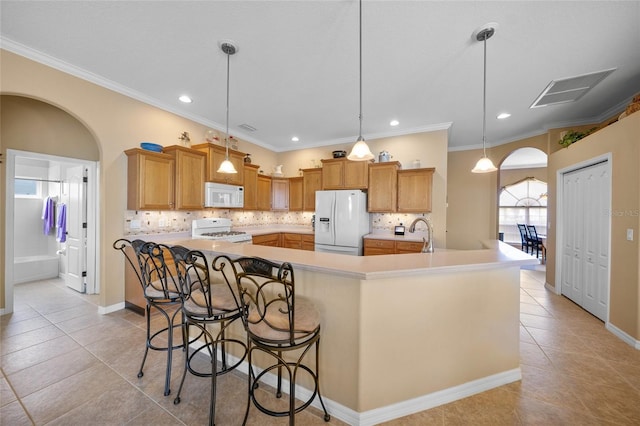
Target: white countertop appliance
{"type": "Point", "coordinates": [221, 195]}
{"type": "Point", "coordinates": [341, 221]}
{"type": "Point", "coordinates": [217, 229]}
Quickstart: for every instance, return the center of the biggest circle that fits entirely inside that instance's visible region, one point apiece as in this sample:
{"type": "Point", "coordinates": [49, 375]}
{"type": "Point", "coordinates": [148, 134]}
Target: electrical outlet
{"type": "Point", "coordinates": [629, 234]}
{"type": "Point", "coordinates": [162, 223]}
{"type": "Point", "coordinates": [134, 224]}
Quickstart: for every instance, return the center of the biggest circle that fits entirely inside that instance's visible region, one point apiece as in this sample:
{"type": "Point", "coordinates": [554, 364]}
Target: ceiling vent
{"type": "Point", "coordinates": [570, 89]}
{"type": "Point", "coordinates": [247, 127]}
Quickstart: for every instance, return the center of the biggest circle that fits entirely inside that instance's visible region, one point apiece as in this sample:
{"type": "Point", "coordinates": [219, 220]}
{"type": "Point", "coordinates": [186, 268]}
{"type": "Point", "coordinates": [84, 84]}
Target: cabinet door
{"type": "Point", "coordinates": [293, 241]}
{"type": "Point", "coordinates": [272, 240]}
{"type": "Point", "coordinates": [383, 187]}
{"type": "Point", "coordinates": [215, 156]}
{"type": "Point", "coordinates": [408, 247]}
{"type": "Point", "coordinates": [150, 180]}
{"type": "Point", "coordinates": [296, 191]}
{"type": "Point", "coordinates": [308, 242]}
{"type": "Point", "coordinates": [374, 247]}
{"type": "Point", "coordinates": [251, 187]}
{"type": "Point", "coordinates": [264, 192]}
{"type": "Point", "coordinates": [356, 174]}
{"type": "Point", "coordinates": [312, 182]}
{"type": "Point", "coordinates": [332, 174]}
{"type": "Point", "coordinates": [280, 194]}
{"type": "Point", "coordinates": [190, 177]}
{"type": "Point", "coordinates": [414, 190]}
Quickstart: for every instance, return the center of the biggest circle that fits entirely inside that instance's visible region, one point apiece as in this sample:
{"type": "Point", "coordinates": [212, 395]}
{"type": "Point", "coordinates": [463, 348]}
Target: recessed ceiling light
{"type": "Point", "coordinates": [394, 123]}
{"type": "Point", "coordinates": [186, 99]}
{"type": "Point", "coordinates": [295, 139]}
{"type": "Point", "coordinates": [503, 115]}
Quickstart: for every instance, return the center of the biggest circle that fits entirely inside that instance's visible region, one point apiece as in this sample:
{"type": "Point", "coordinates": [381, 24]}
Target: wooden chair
{"type": "Point", "coordinates": [536, 242]}
{"type": "Point", "coordinates": [524, 238]}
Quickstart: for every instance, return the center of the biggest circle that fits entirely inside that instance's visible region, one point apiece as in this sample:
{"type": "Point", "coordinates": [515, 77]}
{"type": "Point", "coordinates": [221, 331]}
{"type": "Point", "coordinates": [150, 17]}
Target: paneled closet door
{"type": "Point", "coordinates": [585, 268]}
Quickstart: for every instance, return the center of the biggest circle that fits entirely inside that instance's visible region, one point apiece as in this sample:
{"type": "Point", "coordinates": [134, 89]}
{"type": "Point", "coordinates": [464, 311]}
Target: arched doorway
{"type": "Point", "coordinates": [522, 196]}
{"type": "Point", "coordinates": [41, 142]}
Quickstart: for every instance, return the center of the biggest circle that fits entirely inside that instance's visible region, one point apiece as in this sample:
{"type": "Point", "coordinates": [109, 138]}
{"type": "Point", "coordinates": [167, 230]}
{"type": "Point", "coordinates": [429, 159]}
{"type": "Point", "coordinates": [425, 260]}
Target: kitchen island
{"type": "Point", "coordinates": [404, 333]}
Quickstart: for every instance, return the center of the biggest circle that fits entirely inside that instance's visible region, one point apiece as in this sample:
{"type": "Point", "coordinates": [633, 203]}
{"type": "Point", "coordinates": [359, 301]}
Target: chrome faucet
{"type": "Point", "coordinates": [427, 247]}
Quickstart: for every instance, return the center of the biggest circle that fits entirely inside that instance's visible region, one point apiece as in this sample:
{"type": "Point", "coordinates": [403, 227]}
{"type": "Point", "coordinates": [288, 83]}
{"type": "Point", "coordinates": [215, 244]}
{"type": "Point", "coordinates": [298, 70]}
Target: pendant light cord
{"type": "Point", "coordinates": [360, 70]}
{"type": "Point", "coordinates": [484, 99]}
{"type": "Point", "coordinates": [227, 126]}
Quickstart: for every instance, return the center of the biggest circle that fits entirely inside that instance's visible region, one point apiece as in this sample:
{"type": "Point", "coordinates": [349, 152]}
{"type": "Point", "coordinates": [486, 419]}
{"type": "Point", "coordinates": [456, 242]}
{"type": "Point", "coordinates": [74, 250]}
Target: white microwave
{"type": "Point", "coordinates": [223, 196]}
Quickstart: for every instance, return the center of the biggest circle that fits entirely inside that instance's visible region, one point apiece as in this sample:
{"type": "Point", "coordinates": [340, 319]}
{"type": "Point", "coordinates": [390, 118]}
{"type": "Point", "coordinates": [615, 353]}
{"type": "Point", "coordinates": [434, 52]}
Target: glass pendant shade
{"type": "Point", "coordinates": [227, 167]}
{"type": "Point", "coordinates": [360, 151]}
{"type": "Point", "coordinates": [484, 165]}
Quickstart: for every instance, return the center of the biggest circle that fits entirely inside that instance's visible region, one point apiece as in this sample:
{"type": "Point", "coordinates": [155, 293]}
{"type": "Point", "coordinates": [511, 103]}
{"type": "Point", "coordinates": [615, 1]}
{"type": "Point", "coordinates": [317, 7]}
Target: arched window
{"type": "Point", "coordinates": [523, 202]}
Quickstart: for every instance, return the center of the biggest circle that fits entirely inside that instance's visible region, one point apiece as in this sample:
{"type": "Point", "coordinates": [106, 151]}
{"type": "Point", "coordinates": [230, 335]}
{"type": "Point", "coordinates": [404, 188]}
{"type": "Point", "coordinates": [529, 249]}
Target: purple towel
{"type": "Point", "coordinates": [48, 213]}
{"type": "Point", "coordinates": [61, 234]}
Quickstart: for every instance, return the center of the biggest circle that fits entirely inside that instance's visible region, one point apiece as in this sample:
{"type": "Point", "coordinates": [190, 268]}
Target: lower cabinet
{"type": "Point", "coordinates": [298, 241]}
{"type": "Point", "coordinates": [374, 247]}
{"type": "Point", "coordinates": [272, 240]}
{"type": "Point", "coordinates": [286, 240]}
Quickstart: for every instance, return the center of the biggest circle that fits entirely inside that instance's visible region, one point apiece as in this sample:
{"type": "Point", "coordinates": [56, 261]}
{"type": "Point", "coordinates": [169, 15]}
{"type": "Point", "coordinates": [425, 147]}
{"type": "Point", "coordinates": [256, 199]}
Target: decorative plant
{"type": "Point", "coordinates": [574, 136]}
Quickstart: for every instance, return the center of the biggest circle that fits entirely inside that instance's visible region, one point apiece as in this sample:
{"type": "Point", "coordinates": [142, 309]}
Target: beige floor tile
{"type": "Point", "coordinates": [58, 399]}
{"type": "Point", "coordinates": [619, 404]}
{"type": "Point", "coordinates": [24, 358]}
{"type": "Point", "coordinates": [537, 321]}
{"type": "Point", "coordinates": [433, 417]}
{"type": "Point", "coordinates": [14, 415]}
{"type": "Point", "coordinates": [13, 328]}
{"type": "Point", "coordinates": [104, 330]}
{"type": "Point", "coordinates": [51, 371]}
{"type": "Point", "coordinates": [6, 393]}
{"type": "Point", "coordinates": [73, 312]}
{"type": "Point", "coordinates": [24, 340]}
{"type": "Point", "coordinates": [20, 313]}
{"type": "Point", "coordinates": [531, 354]}
{"type": "Point", "coordinates": [585, 366]}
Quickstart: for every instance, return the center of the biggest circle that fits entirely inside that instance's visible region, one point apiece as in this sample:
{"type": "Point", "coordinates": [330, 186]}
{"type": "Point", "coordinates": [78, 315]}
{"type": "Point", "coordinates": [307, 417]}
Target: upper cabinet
{"type": "Point", "coordinates": [264, 192]}
{"type": "Point", "coordinates": [280, 194]}
{"type": "Point", "coordinates": [251, 186]}
{"type": "Point", "coordinates": [296, 194]}
{"type": "Point", "coordinates": [340, 173]}
{"type": "Point", "coordinates": [215, 156]}
{"type": "Point", "coordinates": [150, 180]}
{"type": "Point", "coordinates": [414, 190]}
{"type": "Point", "coordinates": [189, 177]}
{"type": "Point", "coordinates": [311, 182]}
{"type": "Point", "coordinates": [383, 187]}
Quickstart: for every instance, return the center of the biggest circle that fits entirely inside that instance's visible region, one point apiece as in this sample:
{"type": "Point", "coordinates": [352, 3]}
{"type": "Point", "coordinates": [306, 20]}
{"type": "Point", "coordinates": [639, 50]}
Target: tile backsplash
{"type": "Point", "coordinates": [138, 222]}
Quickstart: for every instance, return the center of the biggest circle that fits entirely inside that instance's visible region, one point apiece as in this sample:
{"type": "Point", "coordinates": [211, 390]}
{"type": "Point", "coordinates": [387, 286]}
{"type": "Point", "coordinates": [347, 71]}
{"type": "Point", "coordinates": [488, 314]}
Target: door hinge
{"type": "Point", "coordinates": [84, 273]}
{"type": "Point", "coordinates": [84, 225]}
{"type": "Point", "coordinates": [85, 179]}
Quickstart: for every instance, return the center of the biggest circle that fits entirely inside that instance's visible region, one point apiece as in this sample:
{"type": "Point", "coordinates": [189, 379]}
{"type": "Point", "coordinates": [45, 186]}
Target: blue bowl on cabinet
{"type": "Point", "coordinates": [151, 146]}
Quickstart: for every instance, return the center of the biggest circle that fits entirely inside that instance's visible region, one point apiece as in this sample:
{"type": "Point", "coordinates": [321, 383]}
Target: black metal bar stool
{"type": "Point", "coordinates": [162, 293]}
{"type": "Point", "coordinates": [277, 323]}
{"type": "Point", "coordinates": [206, 304]}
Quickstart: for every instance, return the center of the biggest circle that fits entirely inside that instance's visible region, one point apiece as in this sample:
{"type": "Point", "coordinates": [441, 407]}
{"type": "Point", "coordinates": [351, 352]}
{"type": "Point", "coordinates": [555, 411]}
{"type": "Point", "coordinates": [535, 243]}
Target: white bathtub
{"type": "Point", "coordinates": [32, 268]}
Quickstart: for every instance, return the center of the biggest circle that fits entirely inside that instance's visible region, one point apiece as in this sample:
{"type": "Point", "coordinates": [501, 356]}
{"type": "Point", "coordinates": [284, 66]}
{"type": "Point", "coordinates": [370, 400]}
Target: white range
{"type": "Point", "coordinates": [217, 229]}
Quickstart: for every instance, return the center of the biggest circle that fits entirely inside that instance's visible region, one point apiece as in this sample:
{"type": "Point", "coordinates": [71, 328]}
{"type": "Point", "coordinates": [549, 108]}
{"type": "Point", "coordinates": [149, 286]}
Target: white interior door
{"type": "Point", "coordinates": [76, 250]}
{"type": "Point", "coordinates": [585, 245]}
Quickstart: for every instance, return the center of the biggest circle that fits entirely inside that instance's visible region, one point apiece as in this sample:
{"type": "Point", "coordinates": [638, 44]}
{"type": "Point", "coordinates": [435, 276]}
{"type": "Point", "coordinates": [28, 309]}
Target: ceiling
{"type": "Point", "coordinates": [296, 70]}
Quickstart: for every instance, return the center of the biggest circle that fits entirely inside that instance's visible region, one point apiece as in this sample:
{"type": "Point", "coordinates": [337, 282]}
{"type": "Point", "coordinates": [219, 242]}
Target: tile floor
{"type": "Point", "coordinates": [64, 364]}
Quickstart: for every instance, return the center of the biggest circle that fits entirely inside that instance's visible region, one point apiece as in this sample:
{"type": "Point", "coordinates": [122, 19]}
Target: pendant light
{"type": "Point", "coordinates": [360, 151]}
{"type": "Point", "coordinates": [484, 165]}
{"type": "Point", "coordinates": [227, 166]}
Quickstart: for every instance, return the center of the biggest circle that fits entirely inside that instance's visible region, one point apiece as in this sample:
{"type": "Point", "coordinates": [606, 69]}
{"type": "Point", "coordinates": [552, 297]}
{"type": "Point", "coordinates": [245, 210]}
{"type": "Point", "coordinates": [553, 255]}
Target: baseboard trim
{"type": "Point", "coordinates": [393, 411]}
{"type": "Point", "coordinates": [103, 310]}
{"type": "Point", "coordinates": [623, 335]}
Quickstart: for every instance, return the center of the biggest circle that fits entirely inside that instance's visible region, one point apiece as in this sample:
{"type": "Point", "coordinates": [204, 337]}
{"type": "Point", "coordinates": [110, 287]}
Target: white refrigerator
{"type": "Point", "coordinates": [341, 221]}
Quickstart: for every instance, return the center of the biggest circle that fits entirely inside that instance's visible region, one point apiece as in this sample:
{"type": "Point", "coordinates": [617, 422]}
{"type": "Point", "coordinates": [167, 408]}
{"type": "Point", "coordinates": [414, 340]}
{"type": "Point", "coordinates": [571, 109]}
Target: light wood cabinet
{"type": "Point", "coordinates": [279, 194]}
{"type": "Point", "coordinates": [190, 168]}
{"type": "Point", "coordinates": [150, 180]}
{"type": "Point", "coordinates": [340, 173]}
{"type": "Point", "coordinates": [298, 241]}
{"type": "Point", "coordinates": [383, 187]}
{"type": "Point", "coordinates": [296, 194]}
{"type": "Point", "coordinates": [414, 190]}
{"type": "Point", "coordinates": [272, 240]}
{"type": "Point", "coordinates": [264, 192]}
{"type": "Point", "coordinates": [215, 156]}
{"type": "Point", "coordinates": [373, 247]}
{"type": "Point", "coordinates": [251, 186]}
{"type": "Point", "coordinates": [311, 182]}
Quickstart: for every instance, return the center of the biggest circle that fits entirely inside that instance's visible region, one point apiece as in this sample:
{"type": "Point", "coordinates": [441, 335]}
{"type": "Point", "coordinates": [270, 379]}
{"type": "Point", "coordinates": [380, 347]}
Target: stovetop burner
{"type": "Point", "coordinates": [217, 229]}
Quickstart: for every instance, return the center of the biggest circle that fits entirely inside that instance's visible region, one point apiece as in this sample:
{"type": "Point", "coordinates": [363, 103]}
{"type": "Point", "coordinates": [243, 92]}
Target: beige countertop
{"type": "Point", "coordinates": [495, 255]}
{"type": "Point", "coordinates": [271, 229]}
{"type": "Point", "coordinates": [385, 234]}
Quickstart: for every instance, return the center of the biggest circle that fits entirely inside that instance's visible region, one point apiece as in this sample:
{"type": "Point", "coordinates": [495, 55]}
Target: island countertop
{"type": "Point", "coordinates": [496, 254]}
